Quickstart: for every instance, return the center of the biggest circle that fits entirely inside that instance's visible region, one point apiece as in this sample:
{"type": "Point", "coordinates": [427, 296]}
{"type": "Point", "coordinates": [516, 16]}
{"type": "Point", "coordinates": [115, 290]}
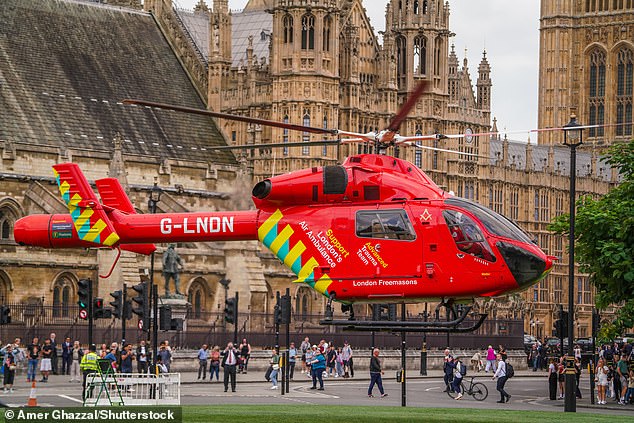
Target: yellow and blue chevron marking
{"type": "Point", "coordinates": [293, 257]}
{"type": "Point", "coordinates": [88, 224]}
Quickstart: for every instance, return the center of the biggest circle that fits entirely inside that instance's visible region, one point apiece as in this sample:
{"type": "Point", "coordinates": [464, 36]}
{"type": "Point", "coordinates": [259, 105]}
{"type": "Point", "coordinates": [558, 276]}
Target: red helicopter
{"type": "Point", "coordinates": [374, 229]}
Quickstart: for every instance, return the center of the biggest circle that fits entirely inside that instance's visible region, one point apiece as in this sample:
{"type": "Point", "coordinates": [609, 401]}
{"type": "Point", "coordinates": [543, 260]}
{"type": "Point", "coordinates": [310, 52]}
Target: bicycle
{"type": "Point", "coordinates": [477, 390]}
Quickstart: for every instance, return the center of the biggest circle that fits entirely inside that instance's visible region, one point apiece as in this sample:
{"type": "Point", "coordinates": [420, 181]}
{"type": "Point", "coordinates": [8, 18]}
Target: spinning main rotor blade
{"type": "Point", "coordinates": [407, 107]}
{"type": "Point", "coordinates": [238, 118]}
{"type": "Point", "coordinates": [276, 144]}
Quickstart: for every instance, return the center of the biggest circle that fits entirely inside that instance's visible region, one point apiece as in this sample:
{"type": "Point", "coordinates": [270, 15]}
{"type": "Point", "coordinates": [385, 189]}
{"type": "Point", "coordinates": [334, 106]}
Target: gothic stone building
{"type": "Point", "coordinates": [317, 62]}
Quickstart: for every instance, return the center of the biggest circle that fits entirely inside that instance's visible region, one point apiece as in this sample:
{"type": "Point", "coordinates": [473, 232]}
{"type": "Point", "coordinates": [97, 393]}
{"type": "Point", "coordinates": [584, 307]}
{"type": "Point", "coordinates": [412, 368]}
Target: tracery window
{"type": "Point", "coordinates": [287, 23]}
{"type": "Point", "coordinates": [326, 33]}
{"type": "Point", "coordinates": [306, 135]}
{"type": "Point", "coordinates": [420, 56]}
{"type": "Point", "coordinates": [285, 136]}
{"type": "Point", "coordinates": [7, 219]}
{"type": "Point", "coordinates": [308, 32]}
{"type": "Point", "coordinates": [624, 92]}
{"type": "Point", "coordinates": [62, 292]}
{"type": "Point", "coordinates": [597, 92]}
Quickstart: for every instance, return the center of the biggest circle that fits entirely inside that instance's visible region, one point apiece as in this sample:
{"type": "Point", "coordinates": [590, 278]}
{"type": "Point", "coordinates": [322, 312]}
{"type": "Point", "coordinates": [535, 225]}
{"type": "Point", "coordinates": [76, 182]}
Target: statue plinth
{"type": "Point", "coordinates": [179, 306]}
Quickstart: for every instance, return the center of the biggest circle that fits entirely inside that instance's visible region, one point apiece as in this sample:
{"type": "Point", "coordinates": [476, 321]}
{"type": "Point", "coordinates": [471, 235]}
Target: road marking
{"type": "Point", "coordinates": [71, 398]}
{"type": "Point", "coordinates": [433, 388]}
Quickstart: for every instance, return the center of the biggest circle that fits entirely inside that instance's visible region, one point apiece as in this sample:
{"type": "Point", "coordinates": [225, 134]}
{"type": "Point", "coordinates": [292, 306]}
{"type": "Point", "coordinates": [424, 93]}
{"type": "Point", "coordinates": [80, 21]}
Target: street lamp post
{"type": "Point", "coordinates": [155, 197]}
{"type": "Point", "coordinates": [572, 139]}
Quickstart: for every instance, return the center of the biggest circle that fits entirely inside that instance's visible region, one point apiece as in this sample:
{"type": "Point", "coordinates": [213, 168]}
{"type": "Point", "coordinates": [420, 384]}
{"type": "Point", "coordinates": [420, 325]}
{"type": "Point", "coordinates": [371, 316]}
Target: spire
{"type": "Point", "coordinates": [483, 84]}
{"type": "Point", "coordinates": [117, 164]}
{"type": "Point", "coordinates": [529, 156]}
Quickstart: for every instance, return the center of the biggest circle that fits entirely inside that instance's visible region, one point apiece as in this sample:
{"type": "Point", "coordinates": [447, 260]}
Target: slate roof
{"type": "Point", "coordinates": [197, 24]}
{"type": "Point", "coordinates": [258, 24]}
{"type": "Point", "coordinates": [561, 162]}
{"type": "Point", "coordinates": [65, 67]}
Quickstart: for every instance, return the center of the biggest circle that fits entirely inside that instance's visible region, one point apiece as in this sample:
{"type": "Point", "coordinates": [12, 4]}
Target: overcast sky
{"type": "Point", "coordinates": [509, 31]}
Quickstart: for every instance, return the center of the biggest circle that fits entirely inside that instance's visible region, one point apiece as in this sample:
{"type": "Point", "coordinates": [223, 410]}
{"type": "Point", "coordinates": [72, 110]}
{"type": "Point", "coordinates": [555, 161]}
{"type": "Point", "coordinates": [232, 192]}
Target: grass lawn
{"type": "Point", "coordinates": [353, 414]}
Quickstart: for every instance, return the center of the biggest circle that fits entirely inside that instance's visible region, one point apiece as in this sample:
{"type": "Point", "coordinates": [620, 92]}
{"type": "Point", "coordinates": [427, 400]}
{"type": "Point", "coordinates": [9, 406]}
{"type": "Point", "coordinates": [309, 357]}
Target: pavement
{"type": "Point", "coordinates": [529, 390]}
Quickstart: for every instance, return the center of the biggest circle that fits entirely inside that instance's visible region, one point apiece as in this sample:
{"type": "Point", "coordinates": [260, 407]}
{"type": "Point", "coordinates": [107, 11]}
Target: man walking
{"type": "Point", "coordinates": [229, 363]}
{"type": "Point", "coordinates": [447, 370]}
{"type": "Point", "coordinates": [500, 373]}
{"type": "Point", "coordinates": [375, 374]}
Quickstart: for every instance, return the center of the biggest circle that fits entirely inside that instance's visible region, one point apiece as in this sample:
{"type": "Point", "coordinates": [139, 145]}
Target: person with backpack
{"type": "Point", "coordinates": [501, 375]}
{"type": "Point", "coordinates": [459, 371]}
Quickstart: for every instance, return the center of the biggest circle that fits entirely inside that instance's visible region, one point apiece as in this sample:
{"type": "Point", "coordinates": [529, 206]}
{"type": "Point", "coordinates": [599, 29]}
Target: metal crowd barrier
{"type": "Point", "coordinates": [133, 389]}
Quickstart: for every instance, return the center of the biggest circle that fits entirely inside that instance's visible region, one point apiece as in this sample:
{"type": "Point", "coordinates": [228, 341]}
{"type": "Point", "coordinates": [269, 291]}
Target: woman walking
{"type": "Point", "coordinates": [375, 374]}
{"type": "Point", "coordinates": [9, 368]}
{"type": "Point", "coordinates": [275, 366]}
{"type": "Point", "coordinates": [602, 380]}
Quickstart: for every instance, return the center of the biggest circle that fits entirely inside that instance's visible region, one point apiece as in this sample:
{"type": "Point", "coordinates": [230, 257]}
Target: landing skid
{"type": "Point", "coordinates": [451, 326]}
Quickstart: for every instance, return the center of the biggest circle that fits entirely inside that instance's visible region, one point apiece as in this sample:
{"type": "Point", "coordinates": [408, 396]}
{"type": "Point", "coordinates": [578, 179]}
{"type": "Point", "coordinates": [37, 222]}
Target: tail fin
{"type": "Point", "coordinates": [90, 219]}
{"type": "Point", "coordinates": [113, 196]}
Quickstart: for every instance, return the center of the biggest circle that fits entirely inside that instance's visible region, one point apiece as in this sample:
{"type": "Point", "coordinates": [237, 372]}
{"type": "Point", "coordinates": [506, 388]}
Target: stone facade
{"type": "Point", "coordinates": [586, 60]}
{"type": "Point", "coordinates": [320, 64]}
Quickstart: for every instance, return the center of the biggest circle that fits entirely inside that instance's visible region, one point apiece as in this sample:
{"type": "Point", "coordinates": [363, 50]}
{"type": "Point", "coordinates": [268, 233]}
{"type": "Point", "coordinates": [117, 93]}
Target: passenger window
{"type": "Point", "coordinates": [467, 235]}
{"type": "Point", "coordinates": [384, 224]}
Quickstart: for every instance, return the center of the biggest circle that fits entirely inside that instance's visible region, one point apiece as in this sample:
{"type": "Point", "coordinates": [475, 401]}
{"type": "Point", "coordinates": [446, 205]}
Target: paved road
{"type": "Point", "coordinates": [529, 392]}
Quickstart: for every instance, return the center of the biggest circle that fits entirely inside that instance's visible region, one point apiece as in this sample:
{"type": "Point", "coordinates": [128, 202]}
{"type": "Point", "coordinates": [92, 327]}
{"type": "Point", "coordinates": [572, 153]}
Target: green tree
{"type": "Point", "coordinates": [604, 246]}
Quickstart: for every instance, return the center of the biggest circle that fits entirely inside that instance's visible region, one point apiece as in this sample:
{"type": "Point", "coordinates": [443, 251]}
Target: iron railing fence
{"type": "Point", "coordinates": [37, 320]}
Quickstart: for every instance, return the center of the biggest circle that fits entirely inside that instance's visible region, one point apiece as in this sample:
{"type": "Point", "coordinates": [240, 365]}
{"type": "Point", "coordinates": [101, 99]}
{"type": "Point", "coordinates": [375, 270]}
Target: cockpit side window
{"type": "Point", "coordinates": [384, 224]}
{"type": "Point", "coordinates": [467, 235]}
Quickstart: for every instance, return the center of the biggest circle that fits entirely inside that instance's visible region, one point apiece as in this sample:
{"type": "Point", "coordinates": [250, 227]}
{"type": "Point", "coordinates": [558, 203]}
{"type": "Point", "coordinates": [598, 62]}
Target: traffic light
{"type": "Point", "coordinates": [231, 310]}
{"type": "Point", "coordinates": [127, 310]}
{"type": "Point", "coordinates": [117, 304]}
{"type": "Point", "coordinates": [141, 299]}
{"type": "Point", "coordinates": [384, 312]}
{"type": "Point", "coordinates": [84, 292]}
{"type": "Point", "coordinates": [98, 311]}
{"type": "Point", "coordinates": [165, 318]}
{"type": "Point", "coordinates": [285, 308]}
{"type": "Point", "coordinates": [5, 315]}
{"type": "Point", "coordinates": [277, 314]}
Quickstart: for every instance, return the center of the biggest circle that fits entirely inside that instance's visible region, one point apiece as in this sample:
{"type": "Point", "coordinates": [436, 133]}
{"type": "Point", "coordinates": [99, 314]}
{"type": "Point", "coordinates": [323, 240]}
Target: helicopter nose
{"type": "Point", "coordinates": [527, 268]}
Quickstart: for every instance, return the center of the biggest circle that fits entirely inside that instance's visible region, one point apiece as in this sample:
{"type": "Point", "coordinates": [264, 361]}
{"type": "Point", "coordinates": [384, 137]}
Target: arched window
{"type": "Point", "coordinates": [306, 135]}
{"type": "Point", "coordinates": [287, 23]}
{"type": "Point", "coordinates": [4, 288]}
{"type": "Point", "coordinates": [401, 51]}
{"type": "Point", "coordinates": [302, 304]}
{"type": "Point", "coordinates": [7, 218]}
{"type": "Point", "coordinates": [197, 296]}
{"type": "Point", "coordinates": [597, 92]}
{"type": "Point", "coordinates": [324, 150]}
{"type": "Point", "coordinates": [624, 92]}
{"type": "Point", "coordinates": [420, 56]}
{"type": "Point", "coordinates": [285, 136]}
{"type": "Point", "coordinates": [437, 55]}
{"type": "Point", "coordinates": [326, 33]}
{"type": "Point", "coordinates": [308, 32]}
{"type": "Point", "coordinates": [63, 290]}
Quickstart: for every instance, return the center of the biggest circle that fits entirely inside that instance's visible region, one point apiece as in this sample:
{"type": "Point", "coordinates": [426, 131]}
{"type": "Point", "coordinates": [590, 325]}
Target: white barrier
{"type": "Point", "coordinates": [133, 389]}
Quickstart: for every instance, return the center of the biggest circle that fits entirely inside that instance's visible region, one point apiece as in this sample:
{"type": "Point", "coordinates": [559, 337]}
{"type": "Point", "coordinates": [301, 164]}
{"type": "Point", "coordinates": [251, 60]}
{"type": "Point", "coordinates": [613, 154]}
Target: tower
{"type": "Point", "coordinates": [219, 52]}
{"type": "Point", "coordinates": [484, 83]}
{"type": "Point", "coordinates": [586, 58]}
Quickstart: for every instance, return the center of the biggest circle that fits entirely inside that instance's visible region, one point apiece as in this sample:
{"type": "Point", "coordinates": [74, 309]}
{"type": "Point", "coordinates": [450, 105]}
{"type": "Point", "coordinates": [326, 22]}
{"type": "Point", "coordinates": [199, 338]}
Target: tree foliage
{"type": "Point", "coordinates": [604, 233]}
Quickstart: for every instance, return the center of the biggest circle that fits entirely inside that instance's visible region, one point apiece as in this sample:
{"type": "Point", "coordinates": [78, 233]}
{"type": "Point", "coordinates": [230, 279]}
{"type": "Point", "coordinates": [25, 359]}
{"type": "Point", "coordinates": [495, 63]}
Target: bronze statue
{"type": "Point", "coordinates": [172, 266]}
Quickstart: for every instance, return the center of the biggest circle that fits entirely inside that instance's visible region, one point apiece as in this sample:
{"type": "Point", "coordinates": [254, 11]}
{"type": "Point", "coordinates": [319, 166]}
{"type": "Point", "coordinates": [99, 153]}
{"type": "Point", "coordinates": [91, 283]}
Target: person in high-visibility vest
{"type": "Point", "coordinates": [89, 365]}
